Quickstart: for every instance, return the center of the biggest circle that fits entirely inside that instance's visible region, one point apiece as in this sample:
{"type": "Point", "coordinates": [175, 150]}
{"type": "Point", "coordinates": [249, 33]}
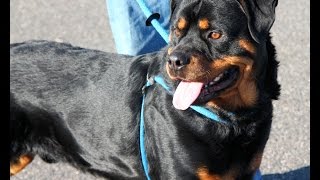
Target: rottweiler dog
{"type": "Point", "coordinates": [84, 107]}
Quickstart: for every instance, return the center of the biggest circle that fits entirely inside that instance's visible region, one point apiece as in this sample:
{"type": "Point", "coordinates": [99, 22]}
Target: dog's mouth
{"type": "Point", "coordinates": [221, 82]}
{"type": "Point", "coordinates": [188, 93]}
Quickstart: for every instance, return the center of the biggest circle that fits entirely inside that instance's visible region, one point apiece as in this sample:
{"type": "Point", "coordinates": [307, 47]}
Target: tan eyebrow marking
{"type": "Point", "coordinates": [203, 24]}
{"type": "Point", "coordinates": [182, 23]}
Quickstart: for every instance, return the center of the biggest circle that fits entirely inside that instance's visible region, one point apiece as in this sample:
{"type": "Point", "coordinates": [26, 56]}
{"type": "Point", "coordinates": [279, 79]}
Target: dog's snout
{"type": "Point", "coordinates": [177, 60]}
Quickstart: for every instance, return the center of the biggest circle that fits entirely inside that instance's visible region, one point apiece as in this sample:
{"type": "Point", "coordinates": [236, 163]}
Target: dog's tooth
{"type": "Point", "coordinates": [211, 83]}
{"type": "Point", "coordinates": [217, 78]}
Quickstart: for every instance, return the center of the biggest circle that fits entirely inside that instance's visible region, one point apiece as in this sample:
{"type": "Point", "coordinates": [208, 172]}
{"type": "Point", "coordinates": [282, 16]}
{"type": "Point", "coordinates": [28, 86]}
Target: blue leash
{"type": "Point", "coordinates": [152, 19]}
{"type": "Point", "coordinates": [141, 139]}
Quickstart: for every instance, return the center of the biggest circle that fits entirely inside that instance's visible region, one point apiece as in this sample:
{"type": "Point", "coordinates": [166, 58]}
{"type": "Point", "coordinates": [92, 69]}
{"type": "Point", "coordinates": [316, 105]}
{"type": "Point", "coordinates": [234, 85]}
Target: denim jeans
{"type": "Point", "coordinates": [128, 25]}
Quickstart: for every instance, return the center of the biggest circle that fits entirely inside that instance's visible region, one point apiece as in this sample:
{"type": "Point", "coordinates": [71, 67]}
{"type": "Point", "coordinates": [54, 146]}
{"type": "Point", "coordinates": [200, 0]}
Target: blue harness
{"type": "Point", "coordinates": [202, 110]}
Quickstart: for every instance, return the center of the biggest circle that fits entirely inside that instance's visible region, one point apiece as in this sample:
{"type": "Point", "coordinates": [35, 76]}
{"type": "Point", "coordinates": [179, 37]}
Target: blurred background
{"type": "Point", "coordinates": [85, 23]}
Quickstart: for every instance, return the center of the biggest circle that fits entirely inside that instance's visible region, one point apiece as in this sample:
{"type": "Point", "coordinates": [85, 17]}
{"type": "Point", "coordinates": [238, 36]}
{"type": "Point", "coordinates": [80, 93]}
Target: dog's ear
{"type": "Point", "coordinates": [271, 84]}
{"type": "Point", "coordinates": [261, 15]}
{"type": "Point", "coordinates": [173, 6]}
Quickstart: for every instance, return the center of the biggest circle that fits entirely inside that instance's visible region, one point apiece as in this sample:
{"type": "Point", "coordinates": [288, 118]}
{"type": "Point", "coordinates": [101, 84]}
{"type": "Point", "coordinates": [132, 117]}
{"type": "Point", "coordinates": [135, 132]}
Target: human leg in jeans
{"type": "Point", "coordinates": [128, 25]}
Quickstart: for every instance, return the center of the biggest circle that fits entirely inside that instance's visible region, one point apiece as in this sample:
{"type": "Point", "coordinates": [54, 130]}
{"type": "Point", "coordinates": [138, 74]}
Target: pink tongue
{"type": "Point", "coordinates": [185, 94]}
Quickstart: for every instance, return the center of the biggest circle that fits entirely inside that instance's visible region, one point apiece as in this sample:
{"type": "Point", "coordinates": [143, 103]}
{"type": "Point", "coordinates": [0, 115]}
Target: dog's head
{"type": "Point", "coordinates": [220, 52]}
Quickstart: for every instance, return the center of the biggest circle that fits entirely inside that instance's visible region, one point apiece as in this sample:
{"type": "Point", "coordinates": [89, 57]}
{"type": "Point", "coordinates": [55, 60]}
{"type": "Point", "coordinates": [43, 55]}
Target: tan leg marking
{"type": "Point", "coordinates": [204, 174]}
{"type": "Point", "coordinates": [23, 161]}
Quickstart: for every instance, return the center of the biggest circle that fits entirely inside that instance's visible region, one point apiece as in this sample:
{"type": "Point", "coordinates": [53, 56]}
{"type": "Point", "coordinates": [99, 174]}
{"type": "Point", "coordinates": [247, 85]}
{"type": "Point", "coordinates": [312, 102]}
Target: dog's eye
{"type": "Point", "coordinates": [214, 35]}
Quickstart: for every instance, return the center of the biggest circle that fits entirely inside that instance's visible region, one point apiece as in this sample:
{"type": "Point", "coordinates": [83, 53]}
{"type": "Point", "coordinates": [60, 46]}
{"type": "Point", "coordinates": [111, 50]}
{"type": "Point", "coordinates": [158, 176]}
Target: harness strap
{"type": "Point", "coordinates": [202, 110]}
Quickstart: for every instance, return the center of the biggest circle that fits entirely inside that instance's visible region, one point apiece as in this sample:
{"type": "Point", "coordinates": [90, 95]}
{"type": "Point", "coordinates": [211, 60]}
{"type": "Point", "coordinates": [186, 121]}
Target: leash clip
{"type": "Point", "coordinates": [150, 82]}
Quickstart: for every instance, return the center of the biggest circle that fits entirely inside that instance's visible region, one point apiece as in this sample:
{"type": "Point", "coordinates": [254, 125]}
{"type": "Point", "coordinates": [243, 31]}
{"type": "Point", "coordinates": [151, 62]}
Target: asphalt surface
{"type": "Point", "coordinates": [85, 23]}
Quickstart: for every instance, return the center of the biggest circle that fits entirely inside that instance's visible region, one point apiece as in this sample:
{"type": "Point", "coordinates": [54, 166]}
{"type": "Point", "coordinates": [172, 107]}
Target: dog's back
{"type": "Point", "coordinates": [63, 95]}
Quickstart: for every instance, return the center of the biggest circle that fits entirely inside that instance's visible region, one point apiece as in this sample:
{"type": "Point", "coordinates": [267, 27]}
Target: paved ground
{"type": "Point", "coordinates": [84, 23]}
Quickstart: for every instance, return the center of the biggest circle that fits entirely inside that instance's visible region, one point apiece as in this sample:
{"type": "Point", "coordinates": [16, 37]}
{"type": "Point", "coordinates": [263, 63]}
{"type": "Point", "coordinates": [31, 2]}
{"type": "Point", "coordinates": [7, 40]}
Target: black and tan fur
{"type": "Point", "coordinates": [82, 106]}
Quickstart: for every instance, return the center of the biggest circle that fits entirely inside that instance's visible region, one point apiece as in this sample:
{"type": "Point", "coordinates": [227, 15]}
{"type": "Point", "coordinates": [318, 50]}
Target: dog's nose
{"type": "Point", "coordinates": [177, 60]}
